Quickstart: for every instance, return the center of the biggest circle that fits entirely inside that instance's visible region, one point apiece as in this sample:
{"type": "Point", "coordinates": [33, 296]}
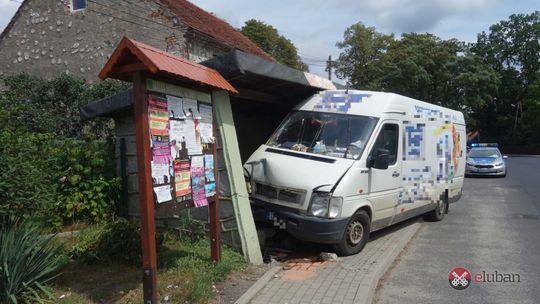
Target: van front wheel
{"type": "Point", "coordinates": [355, 235]}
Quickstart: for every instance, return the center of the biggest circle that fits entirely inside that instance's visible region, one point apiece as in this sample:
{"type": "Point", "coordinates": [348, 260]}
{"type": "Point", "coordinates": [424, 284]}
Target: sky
{"type": "Point", "coordinates": [315, 26]}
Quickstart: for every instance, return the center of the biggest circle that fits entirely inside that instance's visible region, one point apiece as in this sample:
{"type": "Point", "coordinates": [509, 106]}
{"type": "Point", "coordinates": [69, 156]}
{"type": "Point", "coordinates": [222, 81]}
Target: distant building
{"type": "Point", "coordinates": [50, 37]}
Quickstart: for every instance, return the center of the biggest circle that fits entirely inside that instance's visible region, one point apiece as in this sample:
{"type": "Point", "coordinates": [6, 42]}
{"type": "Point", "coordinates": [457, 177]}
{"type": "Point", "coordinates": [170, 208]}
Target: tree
{"type": "Point", "coordinates": [277, 46]}
{"type": "Point", "coordinates": [420, 66]}
{"type": "Point", "coordinates": [512, 48]}
{"type": "Point", "coordinates": [416, 66]}
{"type": "Point", "coordinates": [360, 62]}
{"type": "Point", "coordinates": [52, 106]}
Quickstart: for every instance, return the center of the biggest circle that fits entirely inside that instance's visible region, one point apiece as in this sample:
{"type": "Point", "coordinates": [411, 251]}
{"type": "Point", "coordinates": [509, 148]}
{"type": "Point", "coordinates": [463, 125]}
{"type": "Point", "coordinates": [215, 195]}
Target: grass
{"type": "Point", "coordinates": [186, 275]}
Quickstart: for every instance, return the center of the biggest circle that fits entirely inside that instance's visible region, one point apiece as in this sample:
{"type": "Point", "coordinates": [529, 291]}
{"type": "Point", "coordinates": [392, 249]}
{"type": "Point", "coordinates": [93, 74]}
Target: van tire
{"type": "Point", "coordinates": [355, 236]}
{"type": "Point", "coordinates": [439, 212]}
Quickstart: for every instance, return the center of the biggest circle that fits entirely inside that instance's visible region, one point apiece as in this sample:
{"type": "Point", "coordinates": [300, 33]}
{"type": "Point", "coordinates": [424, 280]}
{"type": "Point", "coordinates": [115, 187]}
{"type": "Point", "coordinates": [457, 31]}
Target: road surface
{"type": "Point", "coordinates": [494, 228]}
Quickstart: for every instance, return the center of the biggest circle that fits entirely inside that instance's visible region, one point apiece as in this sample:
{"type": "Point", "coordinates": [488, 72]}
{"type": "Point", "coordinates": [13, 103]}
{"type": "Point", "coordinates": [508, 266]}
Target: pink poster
{"type": "Point", "coordinates": [198, 193]}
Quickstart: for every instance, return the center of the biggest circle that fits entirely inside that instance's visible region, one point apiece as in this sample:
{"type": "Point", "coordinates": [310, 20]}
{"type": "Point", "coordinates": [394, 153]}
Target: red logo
{"type": "Point", "coordinates": [459, 278]}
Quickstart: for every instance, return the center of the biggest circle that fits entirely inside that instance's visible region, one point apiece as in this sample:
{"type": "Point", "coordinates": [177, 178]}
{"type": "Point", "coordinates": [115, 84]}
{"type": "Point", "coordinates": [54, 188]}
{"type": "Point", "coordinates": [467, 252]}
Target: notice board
{"type": "Point", "coordinates": [182, 143]}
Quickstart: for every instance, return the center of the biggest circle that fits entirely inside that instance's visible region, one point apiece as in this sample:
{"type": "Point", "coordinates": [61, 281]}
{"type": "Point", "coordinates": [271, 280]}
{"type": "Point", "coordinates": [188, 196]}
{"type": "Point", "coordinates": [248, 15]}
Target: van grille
{"type": "Point", "coordinates": [286, 195]}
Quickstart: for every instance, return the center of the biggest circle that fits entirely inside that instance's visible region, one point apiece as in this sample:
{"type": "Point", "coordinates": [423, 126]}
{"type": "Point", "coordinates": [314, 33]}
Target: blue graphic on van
{"type": "Point", "coordinates": [332, 101]}
{"type": "Point", "coordinates": [414, 148]}
{"type": "Point", "coordinates": [427, 111]}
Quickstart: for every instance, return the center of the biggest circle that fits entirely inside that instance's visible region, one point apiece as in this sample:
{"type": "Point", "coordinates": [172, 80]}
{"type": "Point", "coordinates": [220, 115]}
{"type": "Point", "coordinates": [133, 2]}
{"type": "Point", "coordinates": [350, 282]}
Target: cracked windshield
{"type": "Point", "coordinates": [333, 135]}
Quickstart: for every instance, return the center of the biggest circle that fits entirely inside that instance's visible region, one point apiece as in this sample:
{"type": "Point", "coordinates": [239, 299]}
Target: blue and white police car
{"type": "Point", "coordinates": [485, 159]}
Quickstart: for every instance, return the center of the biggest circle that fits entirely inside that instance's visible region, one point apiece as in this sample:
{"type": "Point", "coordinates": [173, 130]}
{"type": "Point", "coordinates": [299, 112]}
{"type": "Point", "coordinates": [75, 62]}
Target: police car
{"type": "Point", "coordinates": [485, 159]}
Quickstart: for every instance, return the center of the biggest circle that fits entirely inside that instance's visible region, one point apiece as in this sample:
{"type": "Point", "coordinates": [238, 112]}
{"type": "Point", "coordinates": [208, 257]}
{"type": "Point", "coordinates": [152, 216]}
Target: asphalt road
{"type": "Point", "coordinates": [494, 227]}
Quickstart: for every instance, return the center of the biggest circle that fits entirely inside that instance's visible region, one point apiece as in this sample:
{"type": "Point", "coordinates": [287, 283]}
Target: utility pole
{"type": "Point", "coordinates": [329, 67]}
{"type": "Point", "coordinates": [519, 110]}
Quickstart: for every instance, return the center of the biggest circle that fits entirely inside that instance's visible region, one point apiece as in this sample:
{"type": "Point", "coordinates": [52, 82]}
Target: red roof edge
{"type": "Point", "coordinates": [125, 44]}
{"type": "Point", "coordinates": [157, 61]}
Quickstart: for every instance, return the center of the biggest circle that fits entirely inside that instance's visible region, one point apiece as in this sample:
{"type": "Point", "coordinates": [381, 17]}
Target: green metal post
{"type": "Point", "coordinates": [235, 173]}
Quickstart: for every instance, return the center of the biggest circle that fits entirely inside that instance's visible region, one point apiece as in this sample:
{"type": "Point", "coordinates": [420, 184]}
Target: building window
{"type": "Point", "coordinates": [78, 5]}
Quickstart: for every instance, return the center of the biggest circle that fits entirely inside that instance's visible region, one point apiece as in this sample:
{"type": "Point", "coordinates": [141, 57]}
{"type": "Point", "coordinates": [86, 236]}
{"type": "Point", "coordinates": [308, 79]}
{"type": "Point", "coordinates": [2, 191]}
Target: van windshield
{"type": "Point", "coordinates": [336, 135]}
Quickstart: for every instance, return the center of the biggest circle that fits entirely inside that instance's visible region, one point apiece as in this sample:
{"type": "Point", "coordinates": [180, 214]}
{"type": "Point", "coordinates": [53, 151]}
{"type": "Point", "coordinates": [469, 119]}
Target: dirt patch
{"type": "Point", "coordinates": [301, 269]}
{"type": "Point", "coordinates": [237, 284]}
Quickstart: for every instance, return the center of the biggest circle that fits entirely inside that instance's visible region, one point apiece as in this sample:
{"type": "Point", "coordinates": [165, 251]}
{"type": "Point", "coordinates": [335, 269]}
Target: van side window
{"type": "Point", "coordinates": [387, 139]}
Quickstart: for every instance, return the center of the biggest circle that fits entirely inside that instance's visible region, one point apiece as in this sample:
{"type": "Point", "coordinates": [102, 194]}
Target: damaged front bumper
{"type": "Point", "coordinates": [300, 226]}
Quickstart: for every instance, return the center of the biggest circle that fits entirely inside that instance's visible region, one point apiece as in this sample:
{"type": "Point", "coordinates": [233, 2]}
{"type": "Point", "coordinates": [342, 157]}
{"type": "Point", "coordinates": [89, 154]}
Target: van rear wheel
{"type": "Point", "coordinates": [355, 236]}
{"type": "Point", "coordinates": [438, 213]}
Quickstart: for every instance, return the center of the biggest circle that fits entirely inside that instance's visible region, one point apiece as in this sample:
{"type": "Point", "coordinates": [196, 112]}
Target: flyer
{"type": "Point", "coordinates": [158, 116]}
{"type": "Point", "coordinates": [163, 193]}
{"type": "Point", "coordinates": [193, 142]}
{"type": "Point", "coordinates": [205, 123]}
{"type": "Point", "coordinates": [209, 167]}
{"type": "Point", "coordinates": [160, 173]}
{"type": "Point", "coordinates": [191, 108]}
{"type": "Point", "coordinates": [197, 181]}
{"type": "Point", "coordinates": [175, 107]}
{"type": "Point", "coordinates": [182, 178]}
{"type": "Point", "coordinates": [210, 189]}
{"type": "Point", "coordinates": [161, 152]}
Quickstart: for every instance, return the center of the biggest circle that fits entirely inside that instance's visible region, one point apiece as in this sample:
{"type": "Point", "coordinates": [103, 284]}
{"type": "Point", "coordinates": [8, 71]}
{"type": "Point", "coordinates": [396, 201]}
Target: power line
{"type": "Point", "coordinates": [128, 13]}
{"type": "Point", "coordinates": [307, 56]}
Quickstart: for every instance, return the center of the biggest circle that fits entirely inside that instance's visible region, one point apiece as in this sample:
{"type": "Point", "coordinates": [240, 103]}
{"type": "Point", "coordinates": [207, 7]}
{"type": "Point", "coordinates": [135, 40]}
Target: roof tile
{"type": "Point", "coordinates": [209, 24]}
{"type": "Point", "coordinates": [158, 61]}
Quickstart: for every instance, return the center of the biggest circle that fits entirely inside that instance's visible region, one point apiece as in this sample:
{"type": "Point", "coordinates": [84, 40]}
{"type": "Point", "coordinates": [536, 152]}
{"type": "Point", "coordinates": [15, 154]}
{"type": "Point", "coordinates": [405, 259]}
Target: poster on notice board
{"type": "Point", "coordinates": [181, 142]}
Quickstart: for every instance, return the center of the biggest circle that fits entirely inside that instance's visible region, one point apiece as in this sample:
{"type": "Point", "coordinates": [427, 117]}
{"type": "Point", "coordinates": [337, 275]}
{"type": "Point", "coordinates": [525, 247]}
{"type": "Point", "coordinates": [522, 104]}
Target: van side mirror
{"type": "Point", "coordinates": [380, 161]}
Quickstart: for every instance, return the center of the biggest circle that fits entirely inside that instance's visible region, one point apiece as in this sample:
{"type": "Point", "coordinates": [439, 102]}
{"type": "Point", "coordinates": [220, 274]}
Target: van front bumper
{"type": "Point", "coordinates": [300, 226]}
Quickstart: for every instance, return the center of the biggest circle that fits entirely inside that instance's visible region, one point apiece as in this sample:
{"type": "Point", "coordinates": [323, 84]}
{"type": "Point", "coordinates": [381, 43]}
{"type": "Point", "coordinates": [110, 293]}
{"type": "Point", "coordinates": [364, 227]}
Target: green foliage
{"type": "Point", "coordinates": [87, 189]}
{"type": "Point", "coordinates": [28, 260]}
{"type": "Point", "coordinates": [527, 132]}
{"type": "Point", "coordinates": [421, 66]}
{"type": "Point", "coordinates": [191, 229]}
{"type": "Point", "coordinates": [359, 62]}
{"type": "Point", "coordinates": [58, 181]}
{"type": "Point", "coordinates": [512, 48]}
{"type": "Point", "coordinates": [195, 271]}
{"type": "Point", "coordinates": [28, 175]}
{"type": "Point", "coordinates": [46, 173]}
{"type": "Point", "coordinates": [269, 40]}
{"type": "Point", "coordinates": [114, 241]}
{"type": "Point", "coordinates": [52, 106]}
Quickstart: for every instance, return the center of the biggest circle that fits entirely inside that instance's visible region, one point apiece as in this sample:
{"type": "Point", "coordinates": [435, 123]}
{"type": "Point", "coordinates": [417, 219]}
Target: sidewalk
{"type": "Point", "coordinates": [351, 279]}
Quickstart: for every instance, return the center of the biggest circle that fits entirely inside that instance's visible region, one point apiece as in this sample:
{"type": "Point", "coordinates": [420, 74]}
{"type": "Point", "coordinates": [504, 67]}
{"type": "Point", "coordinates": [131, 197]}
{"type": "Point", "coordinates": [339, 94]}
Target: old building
{"type": "Point", "coordinates": [50, 37]}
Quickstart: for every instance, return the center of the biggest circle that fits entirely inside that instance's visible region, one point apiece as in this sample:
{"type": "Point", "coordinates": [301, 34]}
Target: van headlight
{"type": "Point", "coordinates": [325, 205]}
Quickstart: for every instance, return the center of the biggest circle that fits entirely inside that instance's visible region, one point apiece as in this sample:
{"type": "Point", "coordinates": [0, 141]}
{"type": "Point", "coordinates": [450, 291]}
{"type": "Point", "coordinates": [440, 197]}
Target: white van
{"type": "Point", "coordinates": [347, 162]}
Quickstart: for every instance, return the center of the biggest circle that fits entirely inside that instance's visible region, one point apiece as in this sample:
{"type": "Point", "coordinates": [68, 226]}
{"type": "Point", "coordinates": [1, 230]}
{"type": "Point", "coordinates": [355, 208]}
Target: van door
{"type": "Point", "coordinates": [385, 184]}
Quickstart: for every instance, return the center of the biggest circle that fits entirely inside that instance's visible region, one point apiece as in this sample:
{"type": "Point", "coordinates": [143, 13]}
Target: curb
{"type": "Point", "coordinates": [255, 288]}
{"type": "Point", "coordinates": [371, 281]}
{"type": "Point", "coordinates": [369, 288]}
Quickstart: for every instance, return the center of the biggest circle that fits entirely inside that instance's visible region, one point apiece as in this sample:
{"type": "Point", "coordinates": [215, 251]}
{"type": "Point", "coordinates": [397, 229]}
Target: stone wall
{"type": "Point", "coordinates": [47, 39]}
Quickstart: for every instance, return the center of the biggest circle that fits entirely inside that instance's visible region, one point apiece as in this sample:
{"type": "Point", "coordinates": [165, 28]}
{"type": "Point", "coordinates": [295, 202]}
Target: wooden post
{"type": "Point", "coordinates": [213, 209]}
{"type": "Point", "coordinates": [146, 197]}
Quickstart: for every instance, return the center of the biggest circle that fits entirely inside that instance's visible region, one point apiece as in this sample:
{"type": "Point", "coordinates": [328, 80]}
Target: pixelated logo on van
{"type": "Point", "coordinates": [459, 278]}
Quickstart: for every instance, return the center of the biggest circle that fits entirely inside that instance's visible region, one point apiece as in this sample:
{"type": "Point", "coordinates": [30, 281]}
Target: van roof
{"type": "Point", "coordinates": [375, 104]}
